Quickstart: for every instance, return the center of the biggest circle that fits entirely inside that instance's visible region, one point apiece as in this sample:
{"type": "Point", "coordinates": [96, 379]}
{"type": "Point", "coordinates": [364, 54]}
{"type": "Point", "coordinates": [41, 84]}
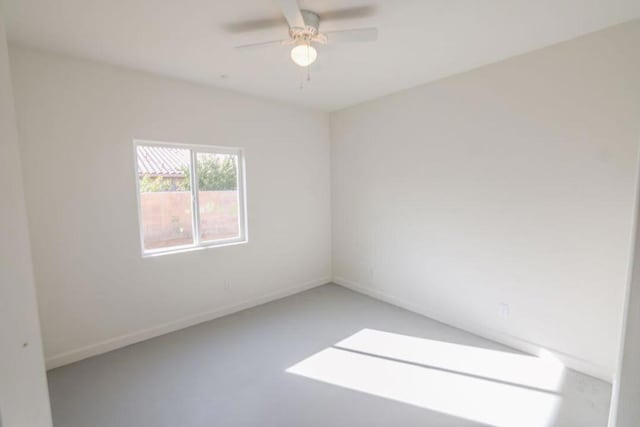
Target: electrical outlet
{"type": "Point", "coordinates": [227, 286]}
{"type": "Point", "coordinates": [504, 311]}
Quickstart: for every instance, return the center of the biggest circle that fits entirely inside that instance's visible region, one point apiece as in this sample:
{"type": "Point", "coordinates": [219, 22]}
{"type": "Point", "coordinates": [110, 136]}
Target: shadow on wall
{"type": "Point", "coordinates": [487, 386]}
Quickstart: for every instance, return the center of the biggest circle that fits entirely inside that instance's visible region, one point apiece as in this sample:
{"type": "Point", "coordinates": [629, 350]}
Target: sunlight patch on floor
{"type": "Point", "coordinates": [544, 373]}
{"type": "Point", "coordinates": [487, 386]}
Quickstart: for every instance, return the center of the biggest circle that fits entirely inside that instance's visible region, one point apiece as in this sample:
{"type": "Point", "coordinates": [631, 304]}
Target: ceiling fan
{"type": "Point", "coordinates": [304, 30]}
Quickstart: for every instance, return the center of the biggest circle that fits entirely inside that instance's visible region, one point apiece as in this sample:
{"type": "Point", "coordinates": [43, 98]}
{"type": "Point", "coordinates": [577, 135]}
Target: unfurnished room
{"type": "Point", "coordinates": [316, 213]}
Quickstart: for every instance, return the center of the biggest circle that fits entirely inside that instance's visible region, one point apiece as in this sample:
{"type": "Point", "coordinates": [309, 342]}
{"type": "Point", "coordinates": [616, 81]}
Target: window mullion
{"type": "Point", "coordinates": [194, 199]}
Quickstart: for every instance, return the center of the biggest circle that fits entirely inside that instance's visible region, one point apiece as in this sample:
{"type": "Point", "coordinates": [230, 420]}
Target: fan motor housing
{"type": "Point", "coordinates": [311, 21]}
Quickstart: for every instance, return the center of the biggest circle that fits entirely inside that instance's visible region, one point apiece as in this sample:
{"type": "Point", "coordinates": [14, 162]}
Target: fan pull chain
{"type": "Point", "coordinates": [302, 79]}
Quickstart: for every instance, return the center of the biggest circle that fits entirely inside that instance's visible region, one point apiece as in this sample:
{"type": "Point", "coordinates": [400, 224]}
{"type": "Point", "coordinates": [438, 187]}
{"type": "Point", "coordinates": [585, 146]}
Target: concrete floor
{"type": "Point", "coordinates": [233, 372]}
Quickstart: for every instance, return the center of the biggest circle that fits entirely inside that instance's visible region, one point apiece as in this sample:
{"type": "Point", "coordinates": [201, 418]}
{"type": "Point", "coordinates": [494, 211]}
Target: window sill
{"type": "Point", "coordinates": [194, 248]}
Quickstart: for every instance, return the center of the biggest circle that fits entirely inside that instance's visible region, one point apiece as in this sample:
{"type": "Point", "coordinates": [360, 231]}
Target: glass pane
{"type": "Point", "coordinates": [218, 196]}
{"type": "Point", "coordinates": [165, 196]}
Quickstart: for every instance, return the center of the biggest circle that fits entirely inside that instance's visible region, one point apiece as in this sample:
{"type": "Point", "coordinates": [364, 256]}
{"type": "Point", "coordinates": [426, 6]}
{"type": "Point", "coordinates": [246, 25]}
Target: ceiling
{"type": "Point", "coordinates": [419, 40]}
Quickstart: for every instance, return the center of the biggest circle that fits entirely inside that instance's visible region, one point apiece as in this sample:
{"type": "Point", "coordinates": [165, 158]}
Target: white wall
{"type": "Point", "coordinates": [625, 411]}
{"type": "Point", "coordinates": [77, 121]}
{"type": "Point", "coordinates": [510, 184]}
{"type": "Point", "coordinates": [23, 385]}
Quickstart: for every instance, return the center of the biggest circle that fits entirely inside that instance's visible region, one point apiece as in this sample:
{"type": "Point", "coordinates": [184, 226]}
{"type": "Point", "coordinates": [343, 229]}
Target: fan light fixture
{"type": "Point", "coordinates": [304, 34]}
{"type": "Point", "coordinates": [304, 54]}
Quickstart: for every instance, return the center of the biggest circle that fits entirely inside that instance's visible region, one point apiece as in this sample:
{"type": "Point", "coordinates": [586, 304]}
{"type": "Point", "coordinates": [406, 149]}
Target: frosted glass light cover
{"type": "Point", "coordinates": [304, 55]}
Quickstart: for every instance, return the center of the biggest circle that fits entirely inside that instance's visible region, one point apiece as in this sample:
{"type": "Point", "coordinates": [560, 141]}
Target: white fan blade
{"type": "Point", "coordinates": [260, 45]}
{"type": "Point", "coordinates": [354, 12]}
{"type": "Point", "coordinates": [358, 35]}
{"type": "Point", "coordinates": [291, 12]}
{"type": "Point", "coordinates": [253, 25]}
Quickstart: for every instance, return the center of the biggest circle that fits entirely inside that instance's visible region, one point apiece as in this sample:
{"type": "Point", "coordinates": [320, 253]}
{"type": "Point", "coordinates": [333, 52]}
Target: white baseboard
{"type": "Point", "coordinates": [135, 337]}
{"type": "Point", "coordinates": [568, 360]}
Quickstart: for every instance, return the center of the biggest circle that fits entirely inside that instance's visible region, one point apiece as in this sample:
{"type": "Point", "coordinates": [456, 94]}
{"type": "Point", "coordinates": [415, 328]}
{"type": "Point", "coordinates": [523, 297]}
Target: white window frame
{"type": "Point", "coordinates": [195, 208]}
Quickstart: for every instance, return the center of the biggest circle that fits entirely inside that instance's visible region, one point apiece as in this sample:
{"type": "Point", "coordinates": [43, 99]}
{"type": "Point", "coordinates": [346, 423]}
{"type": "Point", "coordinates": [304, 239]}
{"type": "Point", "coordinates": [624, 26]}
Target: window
{"type": "Point", "coordinates": [189, 196]}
